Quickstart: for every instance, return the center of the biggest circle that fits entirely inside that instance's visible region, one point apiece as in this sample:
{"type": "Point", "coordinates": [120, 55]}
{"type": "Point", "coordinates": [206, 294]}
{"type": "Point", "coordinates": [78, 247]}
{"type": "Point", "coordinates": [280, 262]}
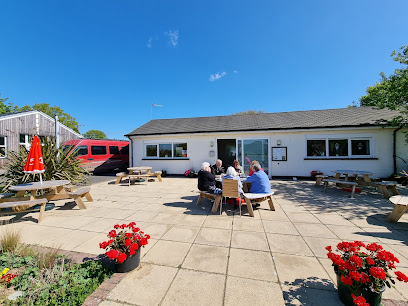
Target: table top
{"type": "Point", "coordinates": [353, 172]}
{"type": "Point", "coordinates": [38, 185]}
{"type": "Point", "coordinates": [219, 179]}
{"type": "Point", "coordinates": [399, 199]}
{"type": "Point", "coordinates": [139, 168]}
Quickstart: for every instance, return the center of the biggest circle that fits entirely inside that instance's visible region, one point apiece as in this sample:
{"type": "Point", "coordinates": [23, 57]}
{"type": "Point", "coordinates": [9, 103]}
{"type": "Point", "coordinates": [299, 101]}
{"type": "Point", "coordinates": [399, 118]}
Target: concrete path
{"type": "Point", "coordinates": [199, 258]}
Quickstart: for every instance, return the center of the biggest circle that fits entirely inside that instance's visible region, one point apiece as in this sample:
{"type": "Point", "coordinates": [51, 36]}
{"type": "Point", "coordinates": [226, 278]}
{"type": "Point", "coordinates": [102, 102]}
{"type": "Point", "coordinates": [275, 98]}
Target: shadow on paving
{"type": "Point", "coordinates": [310, 291]}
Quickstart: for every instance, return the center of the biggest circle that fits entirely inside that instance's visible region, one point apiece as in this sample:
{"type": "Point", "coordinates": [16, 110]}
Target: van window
{"type": "Point", "coordinates": [125, 150]}
{"type": "Point", "coordinates": [81, 150]}
{"type": "Point", "coordinates": [113, 150]}
{"type": "Point", "coordinates": [98, 150]}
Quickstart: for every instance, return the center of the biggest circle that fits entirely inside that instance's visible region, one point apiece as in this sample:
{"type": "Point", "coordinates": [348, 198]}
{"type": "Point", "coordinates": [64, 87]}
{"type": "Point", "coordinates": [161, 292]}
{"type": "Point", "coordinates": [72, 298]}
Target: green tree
{"type": "Point", "coordinates": [6, 108]}
{"type": "Point", "coordinates": [249, 112]}
{"type": "Point", "coordinates": [392, 91]}
{"type": "Point", "coordinates": [94, 134]}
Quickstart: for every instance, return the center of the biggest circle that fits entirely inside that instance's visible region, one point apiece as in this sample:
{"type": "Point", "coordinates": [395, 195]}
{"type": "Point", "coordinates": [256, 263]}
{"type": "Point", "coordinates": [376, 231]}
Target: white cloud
{"type": "Point", "coordinates": [173, 37]}
{"type": "Point", "coordinates": [234, 71]}
{"type": "Point", "coordinates": [217, 76]}
{"type": "Point", "coordinates": [149, 42]}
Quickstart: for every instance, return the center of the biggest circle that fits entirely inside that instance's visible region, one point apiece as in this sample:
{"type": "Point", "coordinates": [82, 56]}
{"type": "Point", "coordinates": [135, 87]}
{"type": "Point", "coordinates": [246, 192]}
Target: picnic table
{"type": "Point", "coordinates": [139, 170]}
{"type": "Point", "coordinates": [55, 188]}
{"type": "Point", "coordinates": [143, 172]}
{"type": "Point", "coordinates": [356, 175]}
{"type": "Point", "coordinates": [401, 206]}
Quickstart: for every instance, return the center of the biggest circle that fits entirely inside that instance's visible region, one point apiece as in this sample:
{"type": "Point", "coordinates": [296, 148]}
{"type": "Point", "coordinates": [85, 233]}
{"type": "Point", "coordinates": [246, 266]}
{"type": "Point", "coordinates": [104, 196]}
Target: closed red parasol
{"type": "Point", "coordinates": [35, 162]}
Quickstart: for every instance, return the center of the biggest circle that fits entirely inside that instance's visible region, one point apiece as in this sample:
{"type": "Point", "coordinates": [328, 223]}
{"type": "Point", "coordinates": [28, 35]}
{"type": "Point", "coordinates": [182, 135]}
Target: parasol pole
{"type": "Point", "coordinates": [41, 178]}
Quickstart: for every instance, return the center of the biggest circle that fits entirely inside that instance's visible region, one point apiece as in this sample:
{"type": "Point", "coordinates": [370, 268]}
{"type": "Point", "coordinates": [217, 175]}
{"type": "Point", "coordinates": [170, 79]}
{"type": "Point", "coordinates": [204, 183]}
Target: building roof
{"type": "Point", "coordinates": [30, 112]}
{"type": "Point", "coordinates": [313, 119]}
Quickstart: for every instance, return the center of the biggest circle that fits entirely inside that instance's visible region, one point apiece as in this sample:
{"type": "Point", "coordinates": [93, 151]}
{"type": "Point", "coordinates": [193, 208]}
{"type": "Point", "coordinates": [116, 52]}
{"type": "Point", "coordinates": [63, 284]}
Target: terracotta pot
{"type": "Point", "coordinates": [129, 264]}
{"type": "Point", "coordinates": [344, 292]}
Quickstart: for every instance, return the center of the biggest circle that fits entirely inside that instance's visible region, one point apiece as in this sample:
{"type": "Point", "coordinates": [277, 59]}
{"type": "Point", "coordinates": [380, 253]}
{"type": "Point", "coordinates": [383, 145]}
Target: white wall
{"type": "Point", "coordinates": [295, 141]}
{"type": "Point", "coordinates": [402, 150]}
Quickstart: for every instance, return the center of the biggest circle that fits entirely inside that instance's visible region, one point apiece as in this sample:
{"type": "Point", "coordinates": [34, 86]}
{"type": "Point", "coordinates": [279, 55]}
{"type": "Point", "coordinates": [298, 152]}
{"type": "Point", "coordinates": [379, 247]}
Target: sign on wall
{"type": "Point", "coordinates": [279, 153]}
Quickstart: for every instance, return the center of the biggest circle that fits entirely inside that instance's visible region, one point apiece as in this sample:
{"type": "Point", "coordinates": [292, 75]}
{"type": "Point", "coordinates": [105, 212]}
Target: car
{"type": "Point", "coordinates": [100, 154]}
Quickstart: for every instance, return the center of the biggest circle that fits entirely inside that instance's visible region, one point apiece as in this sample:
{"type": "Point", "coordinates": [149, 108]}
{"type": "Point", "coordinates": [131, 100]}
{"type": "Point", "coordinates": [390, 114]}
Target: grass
{"type": "Point", "coordinates": [10, 239]}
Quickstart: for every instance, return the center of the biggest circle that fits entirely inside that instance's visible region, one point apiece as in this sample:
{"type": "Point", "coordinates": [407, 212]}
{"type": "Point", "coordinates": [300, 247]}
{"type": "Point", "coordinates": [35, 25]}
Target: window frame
{"type": "Point", "coordinates": [349, 138]}
{"type": "Point", "coordinates": [158, 143]}
{"type": "Point", "coordinates": [106, 150]}
{"type": "Point", "coordinates": [27, 141]}
{"type": "Point", "coordinates": [4, 146]}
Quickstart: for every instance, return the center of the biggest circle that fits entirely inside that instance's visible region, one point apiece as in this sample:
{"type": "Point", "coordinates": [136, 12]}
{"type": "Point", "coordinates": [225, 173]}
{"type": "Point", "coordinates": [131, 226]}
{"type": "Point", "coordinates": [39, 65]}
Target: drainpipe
{"type": "Point", "coordinates": [130, 152]}
{"type": "Point", "coordinates": [57, 140]}
{"type": "Point", "coordinates": [394, 153]}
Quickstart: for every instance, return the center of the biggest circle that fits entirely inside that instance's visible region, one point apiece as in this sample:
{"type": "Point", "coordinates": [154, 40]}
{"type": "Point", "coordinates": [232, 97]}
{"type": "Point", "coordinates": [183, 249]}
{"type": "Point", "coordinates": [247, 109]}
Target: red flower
{"type": "Point", "coordinates": [370, 261]}
{"type": "Point", "coordinates": [123, 226]}
{"type": "Point", "coordinates": [374, 247]}
{"type": "Point", "coordinates": [355, 275]}
{"type": "Point", "coordinates": [112, 254]}
{"type": "Point", "coordinates": [134, 246]}
{"type": "Point", "coordinates": [128, 242]}
{"type": "Point", "coordinates": [377, 272]}
{"type": "Point", "coordinates": [132, 252]}
{"type": "Point", "coordinates": [122, 257]}
{"type": "Point", "coordinates": [359, 300]}
{"type": "Point", "coordinates": [116, 226]}
{"type": "Point", "coordinates": [329, 248]}
{"type": "Point", "coordinates": [128, 235]}
{"type": "Point", "coordinates": [401, 276]}
{"type": "Point", "coordinates": [365, 278]}
{"type": "Point", "coordinates": [143, 241]}
{"type": "Point", "coordinates": [112, 234]}
{"type": "Point", "coordinates": [356, 260]}
{"type": "Point", "coordinates": [346, 280]}
{"type": "Point", "coordinates": [147, 236]}
{"type": "Point", "coordinates": [103, 244]}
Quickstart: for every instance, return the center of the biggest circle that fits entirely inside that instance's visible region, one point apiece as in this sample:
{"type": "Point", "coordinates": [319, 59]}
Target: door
{"type": "Point", "coordinates": [226, 149]}
{"type": "Point", "coordinates": [253, 149]}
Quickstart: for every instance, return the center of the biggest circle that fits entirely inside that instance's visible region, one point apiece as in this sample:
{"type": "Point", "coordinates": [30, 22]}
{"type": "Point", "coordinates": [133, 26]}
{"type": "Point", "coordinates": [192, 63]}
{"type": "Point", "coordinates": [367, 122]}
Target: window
{"type": "Point", "coordinates": [82, 150]}
{"type": "Point", "coordinates": [165, 150]}
{"type": "Point", "coordinates": [98, 150]}
{"type": "Point", "coordinates": [360, 147]}
{"type": "Point", "coordinates": [3, 142]}
{"type": "Point", "coordinates": [316, 147]}
{"type": "Point", "coordinates": [151, 150]}
{"type": "Point", "coordinates": [339, 147]}
{"type": "Point", "coordinates": [113, 150]}
{"type": "Point", "coordinates": [25, 140]}
{"type": "Point", "coordinates": [172, 150]}
{"type": "Point", "coordinates": [125, 150]}
{"type": "Point", "coordinates": [180, 149]}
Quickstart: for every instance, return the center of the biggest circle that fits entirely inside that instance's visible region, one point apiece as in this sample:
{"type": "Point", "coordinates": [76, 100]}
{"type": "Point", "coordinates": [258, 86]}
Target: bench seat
{"type": "Point", "coordinates": [211, 196]}
{"type": "Point", "coordinates": [78, 194]}
{"type": "Point", "coordinates": [120, 176]}
{"type": "Point", "coordinates": [257, 197]}
{"type": "Point", "coordinates": [401, 206]}
{"type": "Point", "coordinates": [319, 179]}
{"type": "Point", "coordinates": [386, 188]}
{"type": "Point", "coordinates": [336, 181]}
{"type": "Point", "coordinates": [21, 206]}
{"type": "Point", "coordinates": [137, 176]}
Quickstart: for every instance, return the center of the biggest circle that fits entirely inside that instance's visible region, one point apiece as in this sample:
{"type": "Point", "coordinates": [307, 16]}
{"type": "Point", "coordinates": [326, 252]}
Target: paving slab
{"type": "Point", "coordinates": [214, 236]}
{"type": "Point", "coordinates": [249, 240]}
{"type": "Point", "coordinates": [195, 288]}
{"type": "Point", "coordinates": [167, 253]}
{"type": "Point", "coordinates": [288, 244]}
{"type": "Point", "coordinates": [207, 258]}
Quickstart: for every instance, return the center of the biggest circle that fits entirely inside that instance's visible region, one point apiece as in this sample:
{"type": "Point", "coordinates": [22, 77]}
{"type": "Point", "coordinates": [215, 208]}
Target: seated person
{"type": "Point", "coordinates": [259, 180]}
{"type": "Point", "coordinates": [232, 175]}
{"type": "Point", "coordinates": [206, 180]}
{"type": "Point", "coordinates": [251, 171]}
{"type": "Point", "coordinates": [237, 167]}
{"type": "Point", "coordinates": [217, 169]}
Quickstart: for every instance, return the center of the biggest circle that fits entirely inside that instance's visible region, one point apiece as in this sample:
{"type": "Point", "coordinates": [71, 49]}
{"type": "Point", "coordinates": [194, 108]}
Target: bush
{"type": "Point", "coordinates": [59, 165]}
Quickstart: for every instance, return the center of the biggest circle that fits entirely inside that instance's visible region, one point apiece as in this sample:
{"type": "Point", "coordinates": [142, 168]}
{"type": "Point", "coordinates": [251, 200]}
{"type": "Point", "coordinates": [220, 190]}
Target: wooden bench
{"type": "Point", "coordinates": [156, 174]}
{"type": "Point", "coordinates": [401, 206]}
{"type": "Point", "coordinates": [257, 197]}
{"type": "Point", "coordinates": [69, 188]}
{"type": "Point", "coordinates": [319, 179]}
{"type": "Point", "coordinates": [21, 206]}
{"type": "Point", "coordinates": [351, 184]}
{"type": "Point", "coordinates": [137, 177]}
{"type": "Point", "coordinates": [78, 194]}
{"type": "Point", "coordinates": [120, 176]}
{"type": "Point", "coordinates": [211, 196]}
{"type": "Point", "coordinates": [386, 188]}
{"type": "Point", "coordinates": [5, 197]}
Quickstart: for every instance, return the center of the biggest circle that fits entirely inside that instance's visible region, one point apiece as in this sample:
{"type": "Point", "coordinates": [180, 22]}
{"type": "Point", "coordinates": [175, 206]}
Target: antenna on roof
{"type": "Point", "coordinates": [151, 110]}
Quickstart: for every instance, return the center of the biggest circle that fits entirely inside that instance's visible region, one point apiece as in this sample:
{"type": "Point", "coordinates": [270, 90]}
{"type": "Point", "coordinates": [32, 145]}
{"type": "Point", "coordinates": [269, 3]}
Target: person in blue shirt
{"type": "Point", "coordinates": [259, 180]}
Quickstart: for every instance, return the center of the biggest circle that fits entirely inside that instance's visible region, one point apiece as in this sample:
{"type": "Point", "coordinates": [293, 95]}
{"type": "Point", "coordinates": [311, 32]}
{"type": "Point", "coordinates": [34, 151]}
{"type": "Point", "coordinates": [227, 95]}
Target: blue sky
{"type": "Point", "coordinates": [105, 62]}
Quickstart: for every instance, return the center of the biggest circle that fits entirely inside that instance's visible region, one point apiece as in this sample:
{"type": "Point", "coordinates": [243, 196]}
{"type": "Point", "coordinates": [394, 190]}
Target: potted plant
{"type": "Point", "coordinates": [190, 173]}
{"type": "Point", "coordinates": [164, 173]}
{"type": "Point", "coordinates": [124, 245]}
{"type": "Point", "coordinates": [363, 271]}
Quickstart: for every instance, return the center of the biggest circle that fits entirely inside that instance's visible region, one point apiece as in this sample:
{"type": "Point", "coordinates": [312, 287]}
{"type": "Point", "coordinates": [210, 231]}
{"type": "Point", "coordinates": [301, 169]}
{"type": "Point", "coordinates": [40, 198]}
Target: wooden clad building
{"type": "Point", "coordinates": [17, 129]}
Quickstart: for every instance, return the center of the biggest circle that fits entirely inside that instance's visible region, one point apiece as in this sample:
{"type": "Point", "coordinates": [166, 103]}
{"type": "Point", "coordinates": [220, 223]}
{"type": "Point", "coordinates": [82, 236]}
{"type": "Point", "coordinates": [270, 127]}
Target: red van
{"type": "Point", "coordinates": [100, 154]}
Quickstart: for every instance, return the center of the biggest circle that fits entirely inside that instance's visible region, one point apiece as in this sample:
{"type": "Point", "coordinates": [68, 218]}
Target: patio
{"type": "Point", "coordinates": [199, 258]}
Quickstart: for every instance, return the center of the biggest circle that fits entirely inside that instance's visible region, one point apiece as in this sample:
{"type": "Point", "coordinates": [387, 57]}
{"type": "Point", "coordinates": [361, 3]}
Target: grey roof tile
{"type": "Point", "coordinates": [327, 118]}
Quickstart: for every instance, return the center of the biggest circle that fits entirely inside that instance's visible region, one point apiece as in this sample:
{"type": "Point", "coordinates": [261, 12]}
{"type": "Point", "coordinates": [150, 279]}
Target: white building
{"type": "Point", "coordinates": [285, 144]}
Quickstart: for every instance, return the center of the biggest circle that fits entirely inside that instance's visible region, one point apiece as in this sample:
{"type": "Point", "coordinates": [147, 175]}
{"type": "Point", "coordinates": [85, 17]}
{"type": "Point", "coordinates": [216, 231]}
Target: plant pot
{"type": "Point", "coordinates": [129, 264]}
{"type": "Point", "coordinates": [191, 175]}
{"type": "Point", "coordinates": [344, 292]}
